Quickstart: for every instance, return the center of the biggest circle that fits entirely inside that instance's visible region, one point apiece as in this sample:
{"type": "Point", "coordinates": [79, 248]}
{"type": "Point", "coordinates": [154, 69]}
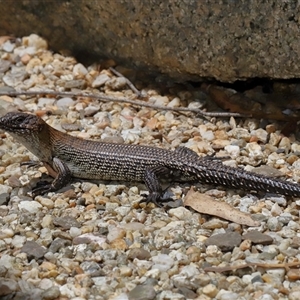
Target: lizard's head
{"type": "Point", "coordinates": [28, 130]}
{"type": "Point", "coordinates": [21, 124]}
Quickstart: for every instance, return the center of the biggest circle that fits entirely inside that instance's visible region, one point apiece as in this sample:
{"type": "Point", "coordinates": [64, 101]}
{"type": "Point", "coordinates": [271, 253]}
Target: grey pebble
{"type": "Point", "coordinates": [4, 197]}
{"type": "Point", "coordinates": [51, 293]}
{"type": "Point", "coordinates": [78, 83]}
{"type": "Point", "coordinates": [257, 237]}
{"type": "Point", "coordinates": [116, 83]}
{"type": "Point", "coordinates": [59, 243]}
{"type": "Point", "coordinates": [100, 80]}
{"type": "Point", "coordinates": [142, 292]}
{"type": "Point", "coordinates": [91, 268]}
{"type": "Point", "coordinates": [33, 250]}
{"type": "Point", "coordinates": [65, 102]}
{"type": "Point", "coordinates": [7, 286]}
{"type": "Point", "coordinates": [138, 253]}
{"type": "Point", "coordinates": [225, 241]}
{"type": "Point", "coordinates": [4, 66]}
{"type": "Point", "coordinates": [66, 222]}
{"type": "Point", "coordinates": [273, 224]}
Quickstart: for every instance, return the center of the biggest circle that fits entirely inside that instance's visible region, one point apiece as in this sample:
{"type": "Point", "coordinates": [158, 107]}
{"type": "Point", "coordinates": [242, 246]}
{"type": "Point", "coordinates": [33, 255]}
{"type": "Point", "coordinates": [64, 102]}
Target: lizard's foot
{"type": "Point", "coordinates": [155, 198]}
{"type": "Point", "coordinates": [41, 188]}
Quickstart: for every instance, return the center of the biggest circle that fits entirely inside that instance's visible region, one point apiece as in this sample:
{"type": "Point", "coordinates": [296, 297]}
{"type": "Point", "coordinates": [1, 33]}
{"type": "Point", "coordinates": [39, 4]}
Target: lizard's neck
{"type": "Point", "coordinates": [38, 142]}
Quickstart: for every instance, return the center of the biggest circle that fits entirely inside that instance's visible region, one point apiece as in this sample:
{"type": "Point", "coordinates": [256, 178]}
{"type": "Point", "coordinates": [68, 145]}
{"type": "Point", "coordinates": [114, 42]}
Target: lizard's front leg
{"type": "Point", "coordinates": [62, 178]}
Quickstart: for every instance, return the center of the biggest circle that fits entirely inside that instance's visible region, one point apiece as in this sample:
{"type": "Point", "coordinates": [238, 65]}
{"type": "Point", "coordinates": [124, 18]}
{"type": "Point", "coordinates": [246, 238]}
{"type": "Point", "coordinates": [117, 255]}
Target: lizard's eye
{"type": "Point", "coordinates": [20, 119]}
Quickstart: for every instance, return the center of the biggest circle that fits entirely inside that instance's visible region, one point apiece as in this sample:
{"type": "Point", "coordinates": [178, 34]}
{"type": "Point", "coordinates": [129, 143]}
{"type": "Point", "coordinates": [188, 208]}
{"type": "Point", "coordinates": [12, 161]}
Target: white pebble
{"type": "Point", "coordinates": [31, 206]}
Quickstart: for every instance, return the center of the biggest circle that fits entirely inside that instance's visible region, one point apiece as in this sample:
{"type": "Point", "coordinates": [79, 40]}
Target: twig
{"type": "Point", "coordinates": [122, 100]}
{"type": "Point", "coordinates": [246, 265]}
{"type": "Point", "coordinates": [129, 83]}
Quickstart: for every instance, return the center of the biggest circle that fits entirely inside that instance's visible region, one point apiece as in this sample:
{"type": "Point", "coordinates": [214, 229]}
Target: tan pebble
{"type": "Point", "coordinates": [115, 123]}
{"type": "Point", "coordinates": [192, 249]}
{"type": "Point", "coordinates": [115, 233]}
{"type": "Point", "coordinates": [63, 235]}
{"type": "Point", "coordinates": [6, 233]}
{"type": "Point", "coordinates": [174, 102]}
{"type": "Point", "coordinates": [84, 135]}
{"type": "Point", "coordinates": [78, 270]}
{"type": "Point", "coordinates": [129, 236]}
{"type": "Point", "coordinates": [46, 221]}
{"type": "Point", "coordinates": [220, 144]}
{"type": "Point", "coordinates": [202, 147]}
{"type": "Point", "coordinates": [291, 159]}
{"type": "Point", "coordinates": [269, 279]}
{"type": "Point", "coordinates": [34, 40]}
{"type": "Point", "coordinates": [6, 98]}
{"type": "Point", "coordinates": [274, 139]}
{"type": "Point", "coordinates": [90, 206]}
{"type": "Point", "coordinates": [285, 143]}
{"type": "Point", "coordinates": [47, 266]}
{"type": "Point", "coordinates": [245, 245]}
{"type": "Point", "coordinates": [102, 200]}
{"type": "Point", "coordinates": [256, 208]}
{"type": "Point", "coordinates": [119, 244]}
{"type": "Point", "coordinates": [61, 203]}
{"type": "Point", "coordinates": [125, 271]}
{"type": "Point", "coordinates": [89, 199]}
{"type": "Point", "coordinates": [253, 138]}
{"type": "Point", "coordinates": [280, 257]}
{"type": "Point", "coordinates": [159, 224]}
{"type": "Point", "coordinates": [293, 274]}
{"type": "Point", "coordinates": [32, 63]}
{"type": "Point", "coordinates": [87, 229]}
{"type": "Point", "coordinates": [210, 290]}
{"type": "Point", "coordinates": [25, 58]}
{"type": "Point", "coordinates": [270, 128]}
{"type": "Point", "coordinates": [46, 202]}
{"type": "Point", "coordinates": [84, 280]}
{"type": "Point", "coordinates": [69, 194]}
{"type": "Point", "coordinates": [49, 274]}
{"type": "Point", "coordinates": [72, 204]}
{"type": "Point", "coordinates": [32, 235]}
{"type": "Point", "coordinates": [40, 113]}
{"type": "Point", "coordinates": [221, 134]}
{"type": "Point", "coordinates": [46, 58]}
{"type": "Point", "coordinates": [194, 254]}
{"type": "Point", "coordinates": [135, 245]}
{"type": "Point", "coordinates": [152, 123]}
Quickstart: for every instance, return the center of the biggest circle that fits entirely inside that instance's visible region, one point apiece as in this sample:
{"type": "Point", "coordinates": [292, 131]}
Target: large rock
{"type": "Point", "coordinates": [226, 40]}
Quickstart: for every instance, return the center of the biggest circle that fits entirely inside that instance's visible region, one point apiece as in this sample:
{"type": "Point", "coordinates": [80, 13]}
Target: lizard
{"type": "Point", "coordinates": [66, 157]}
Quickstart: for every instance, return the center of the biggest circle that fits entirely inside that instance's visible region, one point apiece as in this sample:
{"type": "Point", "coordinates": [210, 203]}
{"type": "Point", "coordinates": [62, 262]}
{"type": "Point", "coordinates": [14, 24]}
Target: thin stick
{"type": "Point", "coordinates": [122, 100]}
{"type": "Point", "coordinates": [129, 83]}
{"type": "Point", "coordinates": [257, 264]}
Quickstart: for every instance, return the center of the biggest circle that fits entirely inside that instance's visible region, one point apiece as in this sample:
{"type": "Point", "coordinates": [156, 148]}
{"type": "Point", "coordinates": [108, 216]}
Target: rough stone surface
{"type": "Point", "coordinates": [226, 40]}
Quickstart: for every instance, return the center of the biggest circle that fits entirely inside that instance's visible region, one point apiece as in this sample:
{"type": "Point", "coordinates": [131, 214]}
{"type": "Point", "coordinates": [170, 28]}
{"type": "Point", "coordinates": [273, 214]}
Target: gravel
{"type": "Point", "coordinates": [93, 240]}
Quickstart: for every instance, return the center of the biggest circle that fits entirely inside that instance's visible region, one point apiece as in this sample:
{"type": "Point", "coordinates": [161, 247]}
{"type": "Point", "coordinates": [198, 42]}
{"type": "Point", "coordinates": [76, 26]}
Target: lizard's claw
{"type": "Point", "coordinates": [41, 188]}
{"type": "Point", "coordinates": [154, 198]}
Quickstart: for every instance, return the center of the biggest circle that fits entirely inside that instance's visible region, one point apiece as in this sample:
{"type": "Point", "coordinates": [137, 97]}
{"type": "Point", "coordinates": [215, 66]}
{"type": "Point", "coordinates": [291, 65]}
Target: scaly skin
{"type": "Point", "coordinates": [66, 156]}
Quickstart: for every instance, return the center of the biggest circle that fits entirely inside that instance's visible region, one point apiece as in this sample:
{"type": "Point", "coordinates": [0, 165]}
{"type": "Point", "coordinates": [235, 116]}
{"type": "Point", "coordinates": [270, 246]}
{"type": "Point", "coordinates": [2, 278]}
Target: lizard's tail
{"type": "Point", "coordinates": [214, 172]}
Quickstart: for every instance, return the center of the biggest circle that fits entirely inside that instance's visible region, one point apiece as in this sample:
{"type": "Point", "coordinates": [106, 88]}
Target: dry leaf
{"type": "Point", "coordinates": [207, 205]}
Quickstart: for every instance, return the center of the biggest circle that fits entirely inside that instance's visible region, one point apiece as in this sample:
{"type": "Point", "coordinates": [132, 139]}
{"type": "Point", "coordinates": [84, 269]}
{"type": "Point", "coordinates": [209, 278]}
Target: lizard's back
{"type": "Point", "coordinates": [108, 161]}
